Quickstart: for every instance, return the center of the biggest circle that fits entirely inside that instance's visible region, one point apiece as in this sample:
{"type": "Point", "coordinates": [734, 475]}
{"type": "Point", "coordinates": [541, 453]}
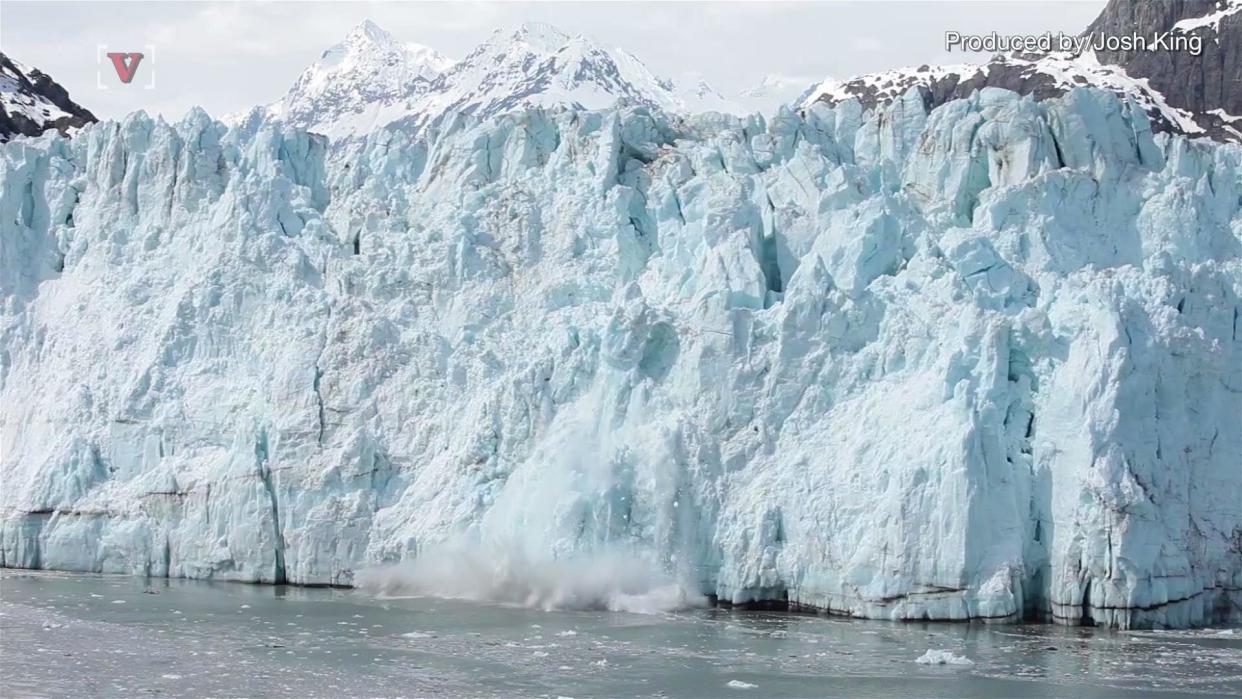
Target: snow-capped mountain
{"type": "Point", "coordinates": [775, 90]}
{"type": "Point", "coordinates": [371, 80]}
{"type": "Point", "coordinates": [31, 103]}
{"type": "Point", "coordinates": [1182, 92]}
{"type": "Point", "coordinates": [538, 65]}
{"type": "Point", "coordinates": [360, 84]}
{"type": "Point", "coordinates": [692, 94]}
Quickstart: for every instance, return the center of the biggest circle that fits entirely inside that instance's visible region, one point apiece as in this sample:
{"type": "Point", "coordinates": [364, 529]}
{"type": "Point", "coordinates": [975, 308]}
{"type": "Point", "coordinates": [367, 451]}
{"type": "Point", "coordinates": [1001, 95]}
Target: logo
{"type": "Point", "coordinates": [125, 66]}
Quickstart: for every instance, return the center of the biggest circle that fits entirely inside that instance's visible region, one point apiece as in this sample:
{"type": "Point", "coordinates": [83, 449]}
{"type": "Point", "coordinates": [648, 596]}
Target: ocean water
{"type": "Point", "coordinates": [88, 635]}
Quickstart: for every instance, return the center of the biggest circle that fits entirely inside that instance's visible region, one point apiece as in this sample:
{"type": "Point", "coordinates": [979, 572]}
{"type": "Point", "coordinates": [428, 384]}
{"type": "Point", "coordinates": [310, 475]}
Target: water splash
{"type": "Point", "coordinates": [615, 581]}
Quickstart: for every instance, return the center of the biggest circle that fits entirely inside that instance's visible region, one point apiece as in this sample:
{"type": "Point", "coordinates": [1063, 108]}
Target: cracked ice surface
{"type": "Point", "coordinates": [983, 362]}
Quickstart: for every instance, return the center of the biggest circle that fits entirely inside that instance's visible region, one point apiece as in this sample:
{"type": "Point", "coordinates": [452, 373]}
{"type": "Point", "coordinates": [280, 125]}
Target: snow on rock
{"type": "Point", "coordinates": [1043, 76]}
{"type": "Point", "coordinates": [1195, 70]}
{"type": "Point", "coordinates": [1211, 20]}
{"type": "Point", "coordinates": [16, 101]}
{"type": "Point", "coordinates": [1182, 73]}
{"type": "Point", "coordinates": [982, 362]}
{"type": "Point", "coordinates": [31, 103]}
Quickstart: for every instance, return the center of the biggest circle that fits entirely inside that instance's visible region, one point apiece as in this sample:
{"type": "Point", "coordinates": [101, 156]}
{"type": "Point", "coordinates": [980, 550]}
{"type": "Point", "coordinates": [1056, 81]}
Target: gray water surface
{"type": "Point", "coordinates": [87, 635]}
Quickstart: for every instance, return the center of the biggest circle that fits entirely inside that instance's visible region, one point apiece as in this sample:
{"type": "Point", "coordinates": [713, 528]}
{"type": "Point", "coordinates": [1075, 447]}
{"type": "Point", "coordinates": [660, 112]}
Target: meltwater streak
{"type": "Point", "coordinates": [605, 581]}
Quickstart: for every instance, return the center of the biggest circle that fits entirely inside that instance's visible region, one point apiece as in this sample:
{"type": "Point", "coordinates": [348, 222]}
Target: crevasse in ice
{"type": "Point", "coordinates": [982, 362]}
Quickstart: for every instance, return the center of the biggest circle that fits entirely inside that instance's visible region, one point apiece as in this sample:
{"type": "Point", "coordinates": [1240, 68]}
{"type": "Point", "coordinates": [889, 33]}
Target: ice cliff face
{"type": "Point", "coordinates": [982, 362]}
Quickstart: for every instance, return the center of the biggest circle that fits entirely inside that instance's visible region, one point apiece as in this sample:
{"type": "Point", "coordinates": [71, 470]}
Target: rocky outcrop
{"type": "Point", "coordinates": [31, 103]}
{"type": "Point", "coordinates": [1208, 85]}
{"type": "Point", "coordinates": [1184, 91]}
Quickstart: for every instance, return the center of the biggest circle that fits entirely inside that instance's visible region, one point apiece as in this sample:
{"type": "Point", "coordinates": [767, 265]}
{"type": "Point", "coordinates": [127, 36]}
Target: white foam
{"type": "Point", "coordinates": [610, 581]}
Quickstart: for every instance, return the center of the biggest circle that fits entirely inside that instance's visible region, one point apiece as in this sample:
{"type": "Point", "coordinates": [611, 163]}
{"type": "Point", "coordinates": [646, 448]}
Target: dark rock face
{"type": "Point", "coordinates": [31, 103]}
{"type": "Point", "coordinates": [937, 89]}
{"type": "Point", "coordinates": [1199, 84]}
{"type": "Point", "coordinates": [1182, 89]}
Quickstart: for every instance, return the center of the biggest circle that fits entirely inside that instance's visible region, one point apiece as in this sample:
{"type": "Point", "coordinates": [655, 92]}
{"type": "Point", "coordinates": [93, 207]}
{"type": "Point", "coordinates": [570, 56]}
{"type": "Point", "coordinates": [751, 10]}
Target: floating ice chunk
{"type": "Point", "coordinates": [943, 657]}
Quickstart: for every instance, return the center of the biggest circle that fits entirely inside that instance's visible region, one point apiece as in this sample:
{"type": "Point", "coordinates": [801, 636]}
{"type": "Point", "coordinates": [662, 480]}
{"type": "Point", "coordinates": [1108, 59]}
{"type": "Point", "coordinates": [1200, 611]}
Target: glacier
{"type": "Point", "coordinates": [977, 363]}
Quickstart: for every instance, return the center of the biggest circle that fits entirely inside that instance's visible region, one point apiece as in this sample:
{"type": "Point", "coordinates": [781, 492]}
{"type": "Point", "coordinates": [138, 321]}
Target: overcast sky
{"type": "Point", "coordinates": [228, 56]}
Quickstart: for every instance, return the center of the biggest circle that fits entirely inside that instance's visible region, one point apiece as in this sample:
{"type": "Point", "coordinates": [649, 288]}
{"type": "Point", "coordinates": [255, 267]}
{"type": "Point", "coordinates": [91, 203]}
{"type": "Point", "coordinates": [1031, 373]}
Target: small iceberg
{"type": "Point", "coordinates": [943, 657]}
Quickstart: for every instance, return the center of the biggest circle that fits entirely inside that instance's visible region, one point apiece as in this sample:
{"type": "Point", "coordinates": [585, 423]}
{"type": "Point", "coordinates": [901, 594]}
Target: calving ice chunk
{"type": "Point", "coordinates": [982, 362]}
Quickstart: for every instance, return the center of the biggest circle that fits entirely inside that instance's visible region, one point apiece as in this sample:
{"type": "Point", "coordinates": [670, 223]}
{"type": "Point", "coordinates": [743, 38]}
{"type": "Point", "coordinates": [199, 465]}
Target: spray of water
{"type": "Point", "coordinates": [604, 581]}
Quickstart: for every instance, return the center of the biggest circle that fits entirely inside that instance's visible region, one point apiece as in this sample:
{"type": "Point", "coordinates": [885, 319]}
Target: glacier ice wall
{"type": "Point", "coordinates": [978, 363]}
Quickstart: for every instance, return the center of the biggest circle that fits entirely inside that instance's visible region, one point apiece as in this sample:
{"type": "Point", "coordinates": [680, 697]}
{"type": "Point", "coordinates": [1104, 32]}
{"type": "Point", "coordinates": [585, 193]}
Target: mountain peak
{"type": "Point", "coordinates": [359, 80]}
{"type": "Point", "coordinates": [542, 36]}
{"type": "Point", "coordinates": [372, 79]}
{"type": "Point", "coordinates": [539, 65]}
{"type": "Point", "coordinates": [367, 31]}
{"type": "Point", "coordinates": [368, 50]}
